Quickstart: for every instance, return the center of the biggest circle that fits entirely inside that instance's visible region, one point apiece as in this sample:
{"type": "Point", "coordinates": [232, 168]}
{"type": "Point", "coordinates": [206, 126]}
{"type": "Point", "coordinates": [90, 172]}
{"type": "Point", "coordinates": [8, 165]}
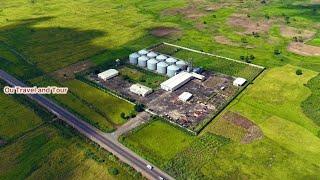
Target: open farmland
{"type": "Point", "coordinates": [158, 141]}
{"type": "Point", "coordinates": [47, 153]}
{"type": "Point", "coordinates": [12, 125]}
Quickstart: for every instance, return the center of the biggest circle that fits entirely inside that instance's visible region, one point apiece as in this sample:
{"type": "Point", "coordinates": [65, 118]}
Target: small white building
{"type": "Point", "coordinates": [185, 96]}
{"type": "Point", "coordinates": [239, 81]}
{"type": "Point", "coordinates": [176, 81]}
{"type": "Point", "coordinates": [140, 90]}
{"type": "Point", "coordinates": [198, 76]}
{"type": "Point", "coordinates": [108, 74]}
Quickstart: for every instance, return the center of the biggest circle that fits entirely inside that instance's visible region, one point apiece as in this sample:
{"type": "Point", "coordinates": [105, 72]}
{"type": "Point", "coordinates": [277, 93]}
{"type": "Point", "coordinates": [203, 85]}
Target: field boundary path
{"type": "Point", "coordinates": [140, 119]}
{"type": "Point", "coordinates": [105, 141]}
{"type": "Point", "coordinates": [214, 55]}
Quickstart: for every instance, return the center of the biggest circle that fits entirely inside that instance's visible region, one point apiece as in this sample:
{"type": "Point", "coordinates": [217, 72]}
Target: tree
{"type": "Point", "coordinates": [299, 72]}
{"type": "Point", "coordinates": [123, 115]}
{"type": "Point", "coordinates": [113, 171]}
{"type": "Point", "coordinates": [276, 52]}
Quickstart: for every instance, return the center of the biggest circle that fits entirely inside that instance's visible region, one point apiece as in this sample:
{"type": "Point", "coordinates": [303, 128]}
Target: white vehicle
{"type": "Point", "coordinates": [149, 167]}
{"type": "Point", "coordinates": [161, 178]}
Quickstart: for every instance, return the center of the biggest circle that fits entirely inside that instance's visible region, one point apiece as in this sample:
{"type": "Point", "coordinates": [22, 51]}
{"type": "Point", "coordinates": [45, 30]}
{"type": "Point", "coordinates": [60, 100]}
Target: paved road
{"type": "Point", "coordinates": [92, 133]}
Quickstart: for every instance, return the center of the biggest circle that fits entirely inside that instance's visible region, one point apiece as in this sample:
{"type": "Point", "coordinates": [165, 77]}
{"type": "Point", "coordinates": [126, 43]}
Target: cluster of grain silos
{"type": "Point", "coordinates": [160, 63]}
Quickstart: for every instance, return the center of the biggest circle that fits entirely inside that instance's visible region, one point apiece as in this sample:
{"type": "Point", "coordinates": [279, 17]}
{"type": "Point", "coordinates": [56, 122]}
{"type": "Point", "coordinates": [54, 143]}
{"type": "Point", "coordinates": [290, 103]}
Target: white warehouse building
{"type": "Point", "coordinates": [140, 90]}
{"type": "Point", "coordinates": [108, 74]}
{"type": "Point", "coordinates": [176, 81]}
{"type": "Point", "coordinates": [185, 96]}
{"type": "Point", "coordinates": [239, 81]}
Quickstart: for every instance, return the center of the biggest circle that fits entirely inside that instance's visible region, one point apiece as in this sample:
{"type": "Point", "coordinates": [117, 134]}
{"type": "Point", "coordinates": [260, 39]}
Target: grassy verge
{"type": "Point", "coordinates": [145, 77]}
{"type": "Point", "coordinates": [108, 104]}
{"type": "Point", "coordinates": [157, 141]}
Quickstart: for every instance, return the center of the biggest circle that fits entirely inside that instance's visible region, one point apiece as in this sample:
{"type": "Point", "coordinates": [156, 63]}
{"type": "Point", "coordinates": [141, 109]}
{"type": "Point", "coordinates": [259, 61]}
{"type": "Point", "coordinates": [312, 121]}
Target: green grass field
{"type": "Point", "coordinates": [310, 105]}
{"type": "Point", "coordinates": [108, 104]}
{"type": "Point", "coordinates": [144, 77]}
{"type": "Point", "coordinates": [47, 154]}
{"type": "Point", "coordinates": [16, 119]}
{"type": "Point", "coordinates": [158, 141]}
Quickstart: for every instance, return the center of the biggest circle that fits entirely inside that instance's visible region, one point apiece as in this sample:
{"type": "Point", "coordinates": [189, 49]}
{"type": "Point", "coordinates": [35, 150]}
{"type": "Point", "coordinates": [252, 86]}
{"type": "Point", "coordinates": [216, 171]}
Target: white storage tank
{"type": "Point", "coordinates": [143, 52]}
{"type": "Point", "coordinates": [182, 65]}
{"type": "Point", "coordinates": [152, 55]}
{"type": "Point", "coordinates": [162, 67]}
{"type": "Point", "coordinates": [142, 61]}
{"type": "Point", "coordinates": [172, 70]}
{"type": "Point", "coordinates": [133, 58]}
{"type": "Point", "coordinates": [152, 64]}
{"type": "Point", "coordinates": [161, 57]}
{"type": "Point", "coordinates": [171, 61]}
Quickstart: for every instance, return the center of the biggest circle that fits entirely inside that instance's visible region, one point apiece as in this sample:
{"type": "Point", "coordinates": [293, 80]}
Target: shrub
{"type": "Point", "coordinates": [113, 171]}
{"type": "Point", "coordinates": [298, 72]}
{"type": "Point", "coordinates": [123, 115]}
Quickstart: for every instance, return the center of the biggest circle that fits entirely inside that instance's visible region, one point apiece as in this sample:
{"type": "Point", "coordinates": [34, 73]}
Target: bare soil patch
{"type": "Point", "coordinates": [226, 41]}
{"type": "Point", "coordinates": [291, 32]}
{"type": "Point", "coordinates": [253, 132]}
{"type": "Point", "coordinates": [191, 12]}
{"type": "Point", "coordinates": [68, 72]}
{"type": "Point", "coordinates": [304, 49]}
{"type": "Point", "coordinates": [248, 25]}
{"type": "Point", "coordinates": [165, 31]}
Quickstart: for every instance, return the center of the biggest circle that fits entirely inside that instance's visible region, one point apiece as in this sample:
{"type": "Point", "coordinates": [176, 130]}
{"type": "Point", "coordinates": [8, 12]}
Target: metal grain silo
{"type": "Point", "coordinates": [162, 67]}
{"type": "Point", "coordinates": [152, 55]}
{"type": "Point", "coordinates": [171, 61]}
{"type": "Point", "coordinates": [152, 64]}
{"type": "Point", "coordinates": [182, 65]}
{"type": "Point", "coordinates": [142, 61]}
{"type": "Point", "coordinates": [161, 57]}
{"type": "Point", "coordinates": [133, 58]}
{"type": "Point", "coordinates": [172, 70]}
{"type": "Point", "coordinates": [143, 52]}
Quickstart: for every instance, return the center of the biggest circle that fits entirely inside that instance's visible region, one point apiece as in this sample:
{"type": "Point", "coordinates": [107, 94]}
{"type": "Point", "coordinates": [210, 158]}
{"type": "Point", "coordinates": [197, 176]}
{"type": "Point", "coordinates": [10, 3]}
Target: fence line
{"type": "Point", "coordinates": [209, 54]}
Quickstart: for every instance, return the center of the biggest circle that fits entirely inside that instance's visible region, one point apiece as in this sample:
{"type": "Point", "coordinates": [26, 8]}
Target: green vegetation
{"type": "Point", "coordinates": [311, 105]}
{"type": "Point", "coordinates": [13, 62]}
{"type": "Point", "coordinates": [144, 77]}
{"type": "Point", "coordinates": [217, 64]}
{"type": "Point", "coordinates": [298, 72]}
{"type": "Point", "coordinates": [16, 119]}
{"type": "Point", "coordinates": [215, 157]}
{"type": "Point", "coordinates": [106, 103]}
{"type": "Point", "coordinates": [45, 153]}
{"type": "Point", "coordinates": [158, 141]}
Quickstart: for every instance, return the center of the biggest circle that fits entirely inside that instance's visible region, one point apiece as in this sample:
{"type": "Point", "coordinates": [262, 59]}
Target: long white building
{"type": "Point", "coordinates": [108, 74]}
{"type": "Point", "coordinates": [176, 81]}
